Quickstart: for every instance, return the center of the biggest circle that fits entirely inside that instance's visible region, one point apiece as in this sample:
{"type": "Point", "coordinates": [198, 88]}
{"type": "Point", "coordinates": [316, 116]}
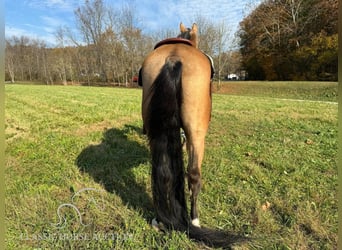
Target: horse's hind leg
{"type": "Point", "coordinates": [195, 149]}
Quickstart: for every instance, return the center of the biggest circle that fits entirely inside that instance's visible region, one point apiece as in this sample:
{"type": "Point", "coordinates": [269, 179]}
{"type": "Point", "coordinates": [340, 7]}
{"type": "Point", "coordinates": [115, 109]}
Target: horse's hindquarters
{"type": "Point", "coordinates": [196, 105]}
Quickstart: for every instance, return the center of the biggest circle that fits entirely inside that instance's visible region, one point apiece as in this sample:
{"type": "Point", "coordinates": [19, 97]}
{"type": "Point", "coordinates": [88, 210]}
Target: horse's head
{"type": "Point", "coordinates": [190, 34]}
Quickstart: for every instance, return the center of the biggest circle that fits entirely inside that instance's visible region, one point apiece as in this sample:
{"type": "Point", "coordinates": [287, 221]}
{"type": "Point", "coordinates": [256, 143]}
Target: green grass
{"type": "Point", "coordinates": [258, 150]}
{"type": "Point", "coordinates": [319, 91]}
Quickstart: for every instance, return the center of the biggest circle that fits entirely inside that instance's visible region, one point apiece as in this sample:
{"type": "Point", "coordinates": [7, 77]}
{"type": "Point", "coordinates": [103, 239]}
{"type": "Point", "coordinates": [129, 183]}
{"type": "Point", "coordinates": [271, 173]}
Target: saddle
{"type": "Point", "coordinates": [173, 41]}
{"type": "Point", "coordinates": [183, 41]}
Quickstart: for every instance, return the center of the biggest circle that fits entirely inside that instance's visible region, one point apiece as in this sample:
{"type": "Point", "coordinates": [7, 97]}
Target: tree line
{"type": "Point", "coordinates": [291, 40]}
{"type": "Point", "coordinates": [279, 40]}
{"type": "Point", "coordinates": [108, 48]}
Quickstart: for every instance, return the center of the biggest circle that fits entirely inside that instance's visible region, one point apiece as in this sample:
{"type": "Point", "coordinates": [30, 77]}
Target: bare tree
{"type": "Point", "coordinates": [24, 58]}
{"type": "Point", "coordinates": [10, 61]}
{"type": "Point", "coordinates": [91, 24]}
{"type": "Point", "coordinates": [215, 40]}
{"type": "Point", "coordinates": [131, 38]}
{"type": "Point", "coordinates": [61, 62]}
{"type": "Point", "coordinates": [207, 34]}
{"type": "Point", "coordinates": [223, 41]}
{"type": "Point", "coordinates": [163, 34]}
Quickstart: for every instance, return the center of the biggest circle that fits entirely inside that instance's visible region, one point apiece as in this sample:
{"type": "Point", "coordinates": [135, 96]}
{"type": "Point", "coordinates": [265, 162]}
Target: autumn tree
{"type": "Point", "coordinates": [275, 36]}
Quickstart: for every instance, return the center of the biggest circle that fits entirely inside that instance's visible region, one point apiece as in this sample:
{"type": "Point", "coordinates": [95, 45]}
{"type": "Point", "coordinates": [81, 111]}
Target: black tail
{"type": "Point", "coordinates": [167, 158]}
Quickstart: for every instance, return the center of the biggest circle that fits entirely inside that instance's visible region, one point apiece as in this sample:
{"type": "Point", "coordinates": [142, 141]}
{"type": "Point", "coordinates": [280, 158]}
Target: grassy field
{"type": "Point", "coordinates": [78, 171]}
{"type": "Point", "coordinates": [303, 90]}
{"type": "Point", "coordinates": [319, 91]}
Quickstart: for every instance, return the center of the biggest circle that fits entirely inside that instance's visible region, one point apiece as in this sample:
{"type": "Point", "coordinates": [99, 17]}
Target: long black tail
{"type": "Point", "coordinates": [167, 158]}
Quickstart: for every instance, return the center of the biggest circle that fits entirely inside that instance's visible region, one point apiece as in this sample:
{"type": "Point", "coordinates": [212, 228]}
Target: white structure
{"type": "Point", "coordinates": [232, 77]}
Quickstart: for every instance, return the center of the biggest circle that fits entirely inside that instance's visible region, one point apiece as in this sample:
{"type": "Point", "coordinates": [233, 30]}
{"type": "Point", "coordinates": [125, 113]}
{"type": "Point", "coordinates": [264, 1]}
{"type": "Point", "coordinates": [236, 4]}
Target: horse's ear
{"type": "Point", "coordinates": [182, 27]}
{"type": "Point", "coordinates": [194, 28]}
{"type": "Point", "coordinates": [193, 34]}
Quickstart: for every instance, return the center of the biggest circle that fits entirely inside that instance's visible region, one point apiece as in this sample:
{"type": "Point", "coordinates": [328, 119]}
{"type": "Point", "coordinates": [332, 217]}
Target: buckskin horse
{"type": "Point", "coordinates": [176, 82]}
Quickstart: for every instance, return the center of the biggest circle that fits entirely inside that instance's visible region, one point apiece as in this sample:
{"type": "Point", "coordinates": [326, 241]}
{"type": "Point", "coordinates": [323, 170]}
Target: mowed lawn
{"type": "Point", "coordinates": [78, 171]}
{"type": "Point", "coordinates": [305, 90]}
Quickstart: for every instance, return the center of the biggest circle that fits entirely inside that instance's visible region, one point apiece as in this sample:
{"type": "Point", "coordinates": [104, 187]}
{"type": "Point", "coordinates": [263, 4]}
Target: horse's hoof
{"type": "Point", "coordinates": [196, 222]}
{"type": "Point", "coordinates": [155, 224]}
{"type": "Point", "coordinates": [158, 226]}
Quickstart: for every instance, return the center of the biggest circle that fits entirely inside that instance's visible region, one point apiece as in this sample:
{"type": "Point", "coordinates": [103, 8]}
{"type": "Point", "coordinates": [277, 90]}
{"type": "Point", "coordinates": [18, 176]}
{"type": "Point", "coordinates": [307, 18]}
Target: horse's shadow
{"type": "Point", "coordinates": [112, 162]}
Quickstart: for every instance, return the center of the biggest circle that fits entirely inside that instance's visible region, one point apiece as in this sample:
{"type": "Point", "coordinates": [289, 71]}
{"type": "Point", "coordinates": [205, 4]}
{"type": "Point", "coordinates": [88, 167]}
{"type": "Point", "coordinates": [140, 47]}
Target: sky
{"type": "Point", "coordinates": [41, 18]}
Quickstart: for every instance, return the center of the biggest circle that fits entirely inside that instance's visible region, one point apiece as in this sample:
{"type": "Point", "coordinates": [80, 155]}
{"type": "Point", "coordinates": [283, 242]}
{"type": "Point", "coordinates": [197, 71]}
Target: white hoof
{"type": "Point", "coordinates": [158, 226]}
{"type": "Point", "coordinates": [196, 222]}
{"type": "Point", "coordinates": [155, 224]}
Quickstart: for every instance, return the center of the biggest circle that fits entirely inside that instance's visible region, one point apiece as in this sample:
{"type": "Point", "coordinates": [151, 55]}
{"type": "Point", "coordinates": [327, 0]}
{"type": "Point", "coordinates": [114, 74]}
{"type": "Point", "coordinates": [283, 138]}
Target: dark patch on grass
{"type": "Point", "coordinates": [110, 163]}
